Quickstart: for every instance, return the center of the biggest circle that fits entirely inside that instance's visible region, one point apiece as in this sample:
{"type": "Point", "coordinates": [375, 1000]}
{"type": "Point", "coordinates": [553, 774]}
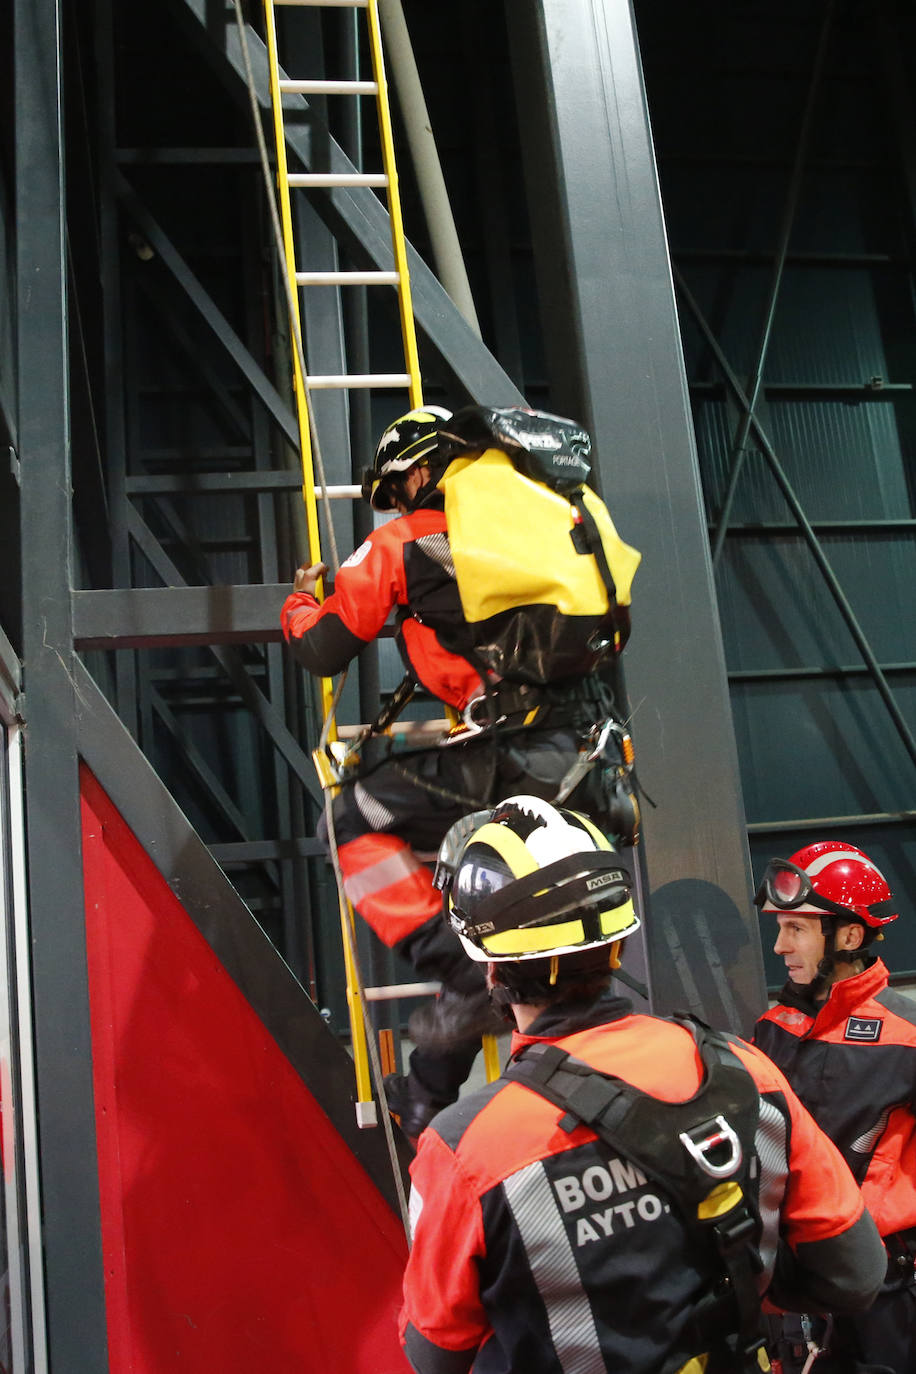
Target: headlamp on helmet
{"type": "Point", "coordinates": [527, 879]}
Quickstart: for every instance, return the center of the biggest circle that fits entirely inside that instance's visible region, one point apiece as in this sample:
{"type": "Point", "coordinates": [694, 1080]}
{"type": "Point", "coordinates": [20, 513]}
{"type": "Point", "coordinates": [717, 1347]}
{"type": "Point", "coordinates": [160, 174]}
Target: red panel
{"type": "Point", "coordinates": [239, 1233]}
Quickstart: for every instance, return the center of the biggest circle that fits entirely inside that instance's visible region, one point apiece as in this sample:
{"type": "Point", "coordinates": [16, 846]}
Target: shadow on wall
{"type": "Point", "coordinates": [706, 961]}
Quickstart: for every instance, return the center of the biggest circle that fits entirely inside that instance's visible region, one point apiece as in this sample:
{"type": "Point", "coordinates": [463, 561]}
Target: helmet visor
{"type": "Point", "coordinates": [581, 899]}
{"type": "Point", "coordinates": [480, 877]}
{"type": "Point", "coordinates": [377, 490]}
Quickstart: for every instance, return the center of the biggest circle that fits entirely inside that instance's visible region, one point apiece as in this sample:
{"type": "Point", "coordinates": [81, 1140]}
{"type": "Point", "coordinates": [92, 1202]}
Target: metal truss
{"type": "Point", "coordinates": [750, 434]}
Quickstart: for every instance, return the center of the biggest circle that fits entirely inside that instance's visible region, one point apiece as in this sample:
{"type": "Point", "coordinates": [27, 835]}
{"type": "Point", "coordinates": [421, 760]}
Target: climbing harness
{"type": "Point", "coordinates": [700, 1151]}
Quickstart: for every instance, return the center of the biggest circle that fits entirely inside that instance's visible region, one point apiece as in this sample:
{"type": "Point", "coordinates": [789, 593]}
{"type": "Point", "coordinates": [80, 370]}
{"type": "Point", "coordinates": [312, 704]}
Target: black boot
{"type": "Point", "coordinates": [433, 1081]}
{"type": "Point", "coordinates": [453, 1017]}
{"type": "Point", "coordinates": [413, 1108]}
{"type": "Point", "coordinates": [461, 1011]}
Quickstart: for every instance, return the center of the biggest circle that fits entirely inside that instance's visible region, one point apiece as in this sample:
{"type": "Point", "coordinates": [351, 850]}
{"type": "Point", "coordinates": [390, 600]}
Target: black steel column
{"type": "Point", "coordinates": [613, 344]}
{"type": "Point", "coordinates": [69, 1172]}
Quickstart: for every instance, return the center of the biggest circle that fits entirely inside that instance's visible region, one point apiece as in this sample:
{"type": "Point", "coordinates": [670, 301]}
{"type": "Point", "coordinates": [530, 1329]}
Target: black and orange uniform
{"type": "Point", "coordinates": [401, 564]}
{"type": "Point", "coordinates": [537, 1251]}
{"type": "Point", "coordinates": [852, 1062]}
{"type": "Point", "coordinates": [399, 806]}
{"type": "Point", "coordinates": [402, 805]}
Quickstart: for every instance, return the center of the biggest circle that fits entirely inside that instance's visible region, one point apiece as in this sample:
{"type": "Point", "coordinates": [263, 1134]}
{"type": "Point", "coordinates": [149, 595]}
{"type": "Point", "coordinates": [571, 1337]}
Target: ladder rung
{"type": "Point", "coordinates": [329, 87]}
{"type": "Point", "coordinates": [336, 4]}
{"type": "Point", "coordinates": [347, 278]}
{"type": "Point", "coordinates": [337, 179]}
{"type": "Point", "coordinates": [392, 990]}
{"type": "Point", "coordinates": [405, 728]}
{"type": "Point", "coordinates": [338, 494]}
{"type": "Point", "coordinates": [357, 381]}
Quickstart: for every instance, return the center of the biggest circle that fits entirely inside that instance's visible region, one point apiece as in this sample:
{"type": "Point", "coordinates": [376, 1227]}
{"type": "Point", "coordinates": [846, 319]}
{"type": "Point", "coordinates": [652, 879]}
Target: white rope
{"type": "Point", "coordinates": [374, 1061]}
{"type": "Point", "coordinates": [378, 1077]}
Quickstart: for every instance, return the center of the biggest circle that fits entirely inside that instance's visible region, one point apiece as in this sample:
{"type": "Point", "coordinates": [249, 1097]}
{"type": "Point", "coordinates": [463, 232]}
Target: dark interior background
{"type": "Point", "coordinates": [786, 149]}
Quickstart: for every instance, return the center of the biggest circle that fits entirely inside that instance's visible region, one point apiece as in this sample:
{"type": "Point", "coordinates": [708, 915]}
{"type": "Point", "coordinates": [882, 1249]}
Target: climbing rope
{"type": "Point", "coordinates": [346, 917]}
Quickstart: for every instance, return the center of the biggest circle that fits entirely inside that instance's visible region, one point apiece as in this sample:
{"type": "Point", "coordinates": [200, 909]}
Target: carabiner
{"type": "Point", "coordinates": [700, 1149]}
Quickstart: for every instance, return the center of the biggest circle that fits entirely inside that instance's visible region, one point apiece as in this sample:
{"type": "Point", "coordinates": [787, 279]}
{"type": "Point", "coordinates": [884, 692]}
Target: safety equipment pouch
{"type": "Point", "coordinates": [544, 578]}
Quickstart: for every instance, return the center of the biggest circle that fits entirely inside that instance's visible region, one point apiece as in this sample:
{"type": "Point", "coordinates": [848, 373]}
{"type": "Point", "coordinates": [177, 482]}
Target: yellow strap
{"type": "Point", "coordinates": [491, 1064]}
{"type": "Point", "coordinates": [697, 1365]}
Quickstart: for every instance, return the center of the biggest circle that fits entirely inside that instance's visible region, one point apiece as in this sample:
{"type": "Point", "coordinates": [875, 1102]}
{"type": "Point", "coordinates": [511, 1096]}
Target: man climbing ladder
{"type": "Point", "coordinates": [537, 712]}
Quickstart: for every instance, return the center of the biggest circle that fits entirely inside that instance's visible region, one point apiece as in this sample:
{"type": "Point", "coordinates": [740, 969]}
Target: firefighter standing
{"type": "Point", "coordinates": [642, 1242]}
{"type": "Point", "coordinates": [847, 1044]}
{"type": "Point", "coordinates": [395, 806]}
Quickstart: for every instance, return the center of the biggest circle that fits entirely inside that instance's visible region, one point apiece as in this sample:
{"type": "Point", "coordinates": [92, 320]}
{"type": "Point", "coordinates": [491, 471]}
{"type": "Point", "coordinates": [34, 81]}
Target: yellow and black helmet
{"type": "Point", "coordinates": [527, 879]}
{"type": "Point", "coordinates": [404, 442]}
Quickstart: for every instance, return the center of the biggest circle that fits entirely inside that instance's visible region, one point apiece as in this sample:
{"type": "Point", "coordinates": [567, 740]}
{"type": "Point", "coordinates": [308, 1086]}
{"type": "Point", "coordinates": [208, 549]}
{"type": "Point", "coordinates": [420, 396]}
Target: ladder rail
{"type": "Point", "coordinates": [303, 384]}
{"type": "Point", "coordinates": [299, 381]}
{"type": "Point", "coordinates": [405, 303]}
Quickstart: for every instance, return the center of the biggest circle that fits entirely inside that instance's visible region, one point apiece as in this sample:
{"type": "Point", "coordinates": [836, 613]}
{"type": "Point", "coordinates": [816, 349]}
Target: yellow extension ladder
{"type": "Point", "coordinates": [409, 379]}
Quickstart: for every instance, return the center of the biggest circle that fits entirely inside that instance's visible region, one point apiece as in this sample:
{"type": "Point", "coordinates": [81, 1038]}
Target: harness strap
{"type": "Point", "coordinates": [595, 546]}
{"type": "Point", "coordinates": [722, 1116]}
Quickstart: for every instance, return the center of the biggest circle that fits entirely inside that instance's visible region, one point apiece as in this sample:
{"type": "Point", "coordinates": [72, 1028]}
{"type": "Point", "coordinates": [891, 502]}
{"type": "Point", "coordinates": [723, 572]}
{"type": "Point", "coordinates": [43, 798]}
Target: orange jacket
{"type": "Point", "coordinates": [397, 565]}
{"type": "Point", "coordinates": [531, 1244]}
{"type": "Point", "coordinates": [853, 1064]}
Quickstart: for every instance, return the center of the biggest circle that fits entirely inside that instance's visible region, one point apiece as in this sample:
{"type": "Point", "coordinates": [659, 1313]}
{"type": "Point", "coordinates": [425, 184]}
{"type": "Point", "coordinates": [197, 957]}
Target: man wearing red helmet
{"type": "Point", "coordinates": [847, 1044]}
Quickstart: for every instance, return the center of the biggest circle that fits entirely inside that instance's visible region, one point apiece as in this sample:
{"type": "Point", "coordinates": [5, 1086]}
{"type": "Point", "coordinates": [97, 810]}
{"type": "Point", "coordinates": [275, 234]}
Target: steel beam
{"type": "Point", "coordinates": [614, 351]}
{"type": "Point", "coordinates": [208, 310]}
{"type": "Point", "coordinates": [259, 851]}
{"type": "Point", "coordinates": [356, 216]}
{"type": "Point", "coordinates": [817, 553]}
{"type": "Point", "coordinates": [754, 386]}
{"type": "Point", "coordinates": [151, 617]}
{"type": "Point", "coordinates": [205, 483]}
{"type": "Point", "coordinates": [227, 925]}
{"type": "Point", "coordinates": [229, 659]}
{"type": "Point", "coordinates": [77, 1336]}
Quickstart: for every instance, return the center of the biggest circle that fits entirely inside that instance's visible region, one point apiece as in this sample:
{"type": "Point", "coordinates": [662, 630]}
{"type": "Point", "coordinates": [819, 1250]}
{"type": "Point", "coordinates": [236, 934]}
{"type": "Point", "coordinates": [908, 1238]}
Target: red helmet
{"type": "Point", "coordinates": [828, 877]}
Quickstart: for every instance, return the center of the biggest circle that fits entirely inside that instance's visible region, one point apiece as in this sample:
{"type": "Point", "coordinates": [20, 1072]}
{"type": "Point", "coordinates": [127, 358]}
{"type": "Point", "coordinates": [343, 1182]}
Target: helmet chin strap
{"type": "Point", "coordinates": [434, 470]}
{"type": "Point", "coordinates": [501, 1001]}
{"type": "Point", "coordinates": [826, 969]}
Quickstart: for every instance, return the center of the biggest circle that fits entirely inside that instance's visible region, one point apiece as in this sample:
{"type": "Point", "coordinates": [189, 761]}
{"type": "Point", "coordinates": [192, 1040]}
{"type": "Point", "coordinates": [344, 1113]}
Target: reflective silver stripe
{"type": "Point", "coordinates": [437, 548]}
{"type": "Point", "coordinates": [554, 1270]}
{"type": "Point", "coordinates": [372, 810]}
{"type": "Point", "coordinates": [770, 1144]}
{"type": "Point", "coordinates": [824, 860]}
{"type": "Point", "coordinates": [865, 1143]}
{"type": "Point", "coordinates": [376, 877]}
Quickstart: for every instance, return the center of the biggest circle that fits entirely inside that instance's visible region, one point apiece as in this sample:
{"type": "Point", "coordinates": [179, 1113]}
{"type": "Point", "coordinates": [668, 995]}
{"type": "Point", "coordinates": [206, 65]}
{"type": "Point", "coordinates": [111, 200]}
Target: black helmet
{"type": "Point", "coordinates": [404, 443]}
{"type": "Point", "coordinates": [529, 880]}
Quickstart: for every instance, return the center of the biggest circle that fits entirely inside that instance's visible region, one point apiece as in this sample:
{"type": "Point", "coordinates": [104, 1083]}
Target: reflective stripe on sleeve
{"type": "Point", "coordinates": [378, 876]}
{"type": "Point", "coordinates": [770, 1143]}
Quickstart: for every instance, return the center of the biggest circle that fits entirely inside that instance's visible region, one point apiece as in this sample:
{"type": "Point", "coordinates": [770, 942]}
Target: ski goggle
{"type": "Point", "coordinates": [788, 887]}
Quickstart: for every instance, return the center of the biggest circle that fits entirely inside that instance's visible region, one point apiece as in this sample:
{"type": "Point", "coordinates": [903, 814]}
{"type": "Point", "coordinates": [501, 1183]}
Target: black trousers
{"type": "Point", "coordinates": [879, 1341]}
{"type": "Point", "coordinates": [417, 796]}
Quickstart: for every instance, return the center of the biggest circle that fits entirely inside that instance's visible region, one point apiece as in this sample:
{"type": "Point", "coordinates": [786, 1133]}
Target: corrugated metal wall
{"type": "Point", "coordinates": [821, 753]}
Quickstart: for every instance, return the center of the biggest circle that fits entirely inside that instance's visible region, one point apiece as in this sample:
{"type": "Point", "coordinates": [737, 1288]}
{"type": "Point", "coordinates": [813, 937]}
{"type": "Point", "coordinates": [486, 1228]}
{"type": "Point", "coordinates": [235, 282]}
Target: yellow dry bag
{"type": "Point", "coordinates": [544, 578]}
